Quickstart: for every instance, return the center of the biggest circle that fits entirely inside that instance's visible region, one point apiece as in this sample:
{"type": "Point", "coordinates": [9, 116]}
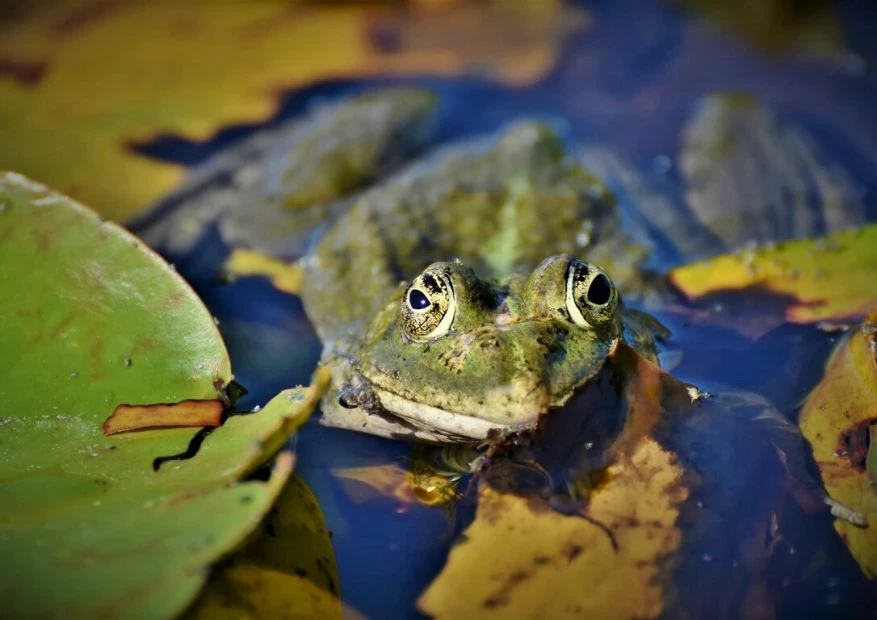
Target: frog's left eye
{"type": "Point", "coordinates": [591, 298]}
{"type": "Point", "coordinates": [428, 307]}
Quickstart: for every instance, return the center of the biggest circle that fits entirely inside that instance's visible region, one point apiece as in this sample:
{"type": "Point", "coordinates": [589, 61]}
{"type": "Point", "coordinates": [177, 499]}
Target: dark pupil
{"type": "Point", "coordinates": [600, 290]}
{"type": "Point", "coordinates": [417, 300]}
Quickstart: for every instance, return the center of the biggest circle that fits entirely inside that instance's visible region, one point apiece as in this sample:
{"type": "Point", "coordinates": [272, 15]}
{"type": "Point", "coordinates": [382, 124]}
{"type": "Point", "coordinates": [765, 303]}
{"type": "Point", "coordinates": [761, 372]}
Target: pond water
{"type": "Point", "coordinates": [630, 81]}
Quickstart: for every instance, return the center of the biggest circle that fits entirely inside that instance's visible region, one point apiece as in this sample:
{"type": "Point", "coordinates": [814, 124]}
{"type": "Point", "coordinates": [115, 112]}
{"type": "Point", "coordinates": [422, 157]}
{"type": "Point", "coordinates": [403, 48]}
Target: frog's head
{"type": "Point", "coordinates": [462, 355]}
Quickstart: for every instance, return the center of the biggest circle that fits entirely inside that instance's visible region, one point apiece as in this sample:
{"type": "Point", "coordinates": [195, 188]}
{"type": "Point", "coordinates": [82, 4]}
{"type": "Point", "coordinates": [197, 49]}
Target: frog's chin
{"type": "Point", "coordinates": [464, 427]}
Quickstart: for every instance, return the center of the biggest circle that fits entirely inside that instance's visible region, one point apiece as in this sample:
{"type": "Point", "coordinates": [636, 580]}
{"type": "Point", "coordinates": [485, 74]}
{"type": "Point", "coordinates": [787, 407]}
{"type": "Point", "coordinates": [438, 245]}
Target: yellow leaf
{"type": "Point", "coordinates": [841, 406]}
{"type": "Point", "coordinates": [556, 565]}
{"type": "Point", "coordinates": [824, 278]}
{"type": "Point", "coordinates": [83, 81]}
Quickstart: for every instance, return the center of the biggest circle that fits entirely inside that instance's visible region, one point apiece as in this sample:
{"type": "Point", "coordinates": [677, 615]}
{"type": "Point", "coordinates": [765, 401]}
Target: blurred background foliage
{"type": "Point", "coordinates": [83, 83]}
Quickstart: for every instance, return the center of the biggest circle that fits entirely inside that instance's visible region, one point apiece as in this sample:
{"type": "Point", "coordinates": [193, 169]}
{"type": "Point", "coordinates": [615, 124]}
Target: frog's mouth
{"type": "Point", "coordinates": [449, 423]}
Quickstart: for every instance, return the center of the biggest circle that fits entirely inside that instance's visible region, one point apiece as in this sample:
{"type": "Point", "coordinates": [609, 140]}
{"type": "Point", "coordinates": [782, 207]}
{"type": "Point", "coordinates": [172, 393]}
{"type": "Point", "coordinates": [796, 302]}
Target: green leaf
{"type": "Point", "coordinates": [91, 318]}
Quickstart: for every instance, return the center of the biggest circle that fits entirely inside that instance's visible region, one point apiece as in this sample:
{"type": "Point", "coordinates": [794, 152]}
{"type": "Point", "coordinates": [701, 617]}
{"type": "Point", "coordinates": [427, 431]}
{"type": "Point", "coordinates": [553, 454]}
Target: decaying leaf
{"type": "Point", "coordinates": [839, 418]}
{"type": "Point", "coordinates": [92, 318]}
{"type": "Point", "coordinates": [288, 571]}
{"type": "Point", "coordinates": [190, 70]}
{"type": "Point", "coordinates": [826, 278]}
{"type": "Point", "coordinates": [609, 563]}
{"type": "Point", "coordinates": [187, 413]}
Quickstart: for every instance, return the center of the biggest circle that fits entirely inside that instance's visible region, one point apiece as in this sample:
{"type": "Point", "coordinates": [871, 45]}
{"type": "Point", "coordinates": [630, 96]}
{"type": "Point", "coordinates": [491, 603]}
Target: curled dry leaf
{"type": "Point", "coordinates": [825, 278]}
{"type": "Point", "coordinates": [839, 418]}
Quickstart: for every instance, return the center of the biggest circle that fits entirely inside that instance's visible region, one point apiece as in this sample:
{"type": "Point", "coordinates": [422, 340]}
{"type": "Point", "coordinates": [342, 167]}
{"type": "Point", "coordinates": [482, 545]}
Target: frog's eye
{"type": "Point", "coordinates": [428, 307]}
{"type": "Point", "coordinates": [591, 298]}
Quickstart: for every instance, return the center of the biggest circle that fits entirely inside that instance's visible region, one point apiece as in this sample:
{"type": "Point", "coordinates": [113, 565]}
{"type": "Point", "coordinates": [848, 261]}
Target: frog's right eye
{"type": "Point", "coordinates": [591, 298]}
{"type": "Point", "coordinates": [428, 307]}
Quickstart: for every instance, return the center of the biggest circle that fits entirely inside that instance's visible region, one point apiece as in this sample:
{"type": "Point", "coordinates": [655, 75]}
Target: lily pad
{"type": "Point", "coordinates": [824, 278]}
{"type": "Point", "coordinates": [91, 319]}
{"type": "Point", "coordinates": [839, 418]}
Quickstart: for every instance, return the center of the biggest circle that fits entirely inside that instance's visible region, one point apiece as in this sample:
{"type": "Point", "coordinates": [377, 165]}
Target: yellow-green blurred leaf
{"type": "Point", "coordinates": [836, 418]}
{"type": "Point", "coordinates": [826, 278]}
{"type": "Point", "coordinates": [82, 81]}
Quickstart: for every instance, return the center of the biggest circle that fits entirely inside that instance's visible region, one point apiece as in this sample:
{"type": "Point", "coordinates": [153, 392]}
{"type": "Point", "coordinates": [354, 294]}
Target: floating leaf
{"type": "Point", "coordinates": [839, 418]}
{"type": "Point", "coordinates": [190, 70]}
{"type": "Point", "coordinates": [556, 565]}
{"type": "Point", "coordinates": [289, 571]}
{"type": "Point", "coordinates": [273, 190]}
{"type": "Point", "coordinates": [92, 318]}
{"type": "Point", "coordinates": [826, 278]}
{"type": "Point", "coordinates": [187, 413]}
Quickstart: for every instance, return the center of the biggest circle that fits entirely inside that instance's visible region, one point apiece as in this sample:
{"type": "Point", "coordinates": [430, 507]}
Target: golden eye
{"type": "Point", "coordinates": [428, 307]}
{"type": "Point", "coordinates": [591, 298]}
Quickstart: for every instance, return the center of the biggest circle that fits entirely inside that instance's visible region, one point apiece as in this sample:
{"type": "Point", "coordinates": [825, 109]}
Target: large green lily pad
{"type": "Point", "coordinates": [91, 318]}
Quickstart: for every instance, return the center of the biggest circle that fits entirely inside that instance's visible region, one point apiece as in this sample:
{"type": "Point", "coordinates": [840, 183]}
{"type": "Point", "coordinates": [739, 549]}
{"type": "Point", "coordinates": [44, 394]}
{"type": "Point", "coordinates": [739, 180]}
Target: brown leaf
{"type": "Point", "coordinates": [185, 413]}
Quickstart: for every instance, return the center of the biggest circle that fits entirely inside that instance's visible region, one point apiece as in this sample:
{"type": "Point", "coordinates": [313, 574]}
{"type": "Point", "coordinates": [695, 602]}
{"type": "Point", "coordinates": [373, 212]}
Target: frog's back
{"type": "Point", "coordinates": [499, 207]}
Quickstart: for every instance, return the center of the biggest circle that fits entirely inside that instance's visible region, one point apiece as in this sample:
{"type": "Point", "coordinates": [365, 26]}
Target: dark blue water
{"type": "Point", "coordinates": [629, 82]}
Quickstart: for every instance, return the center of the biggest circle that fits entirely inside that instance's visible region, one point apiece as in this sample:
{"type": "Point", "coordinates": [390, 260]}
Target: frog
{"type": "Point", "coordinates": [465, 309]}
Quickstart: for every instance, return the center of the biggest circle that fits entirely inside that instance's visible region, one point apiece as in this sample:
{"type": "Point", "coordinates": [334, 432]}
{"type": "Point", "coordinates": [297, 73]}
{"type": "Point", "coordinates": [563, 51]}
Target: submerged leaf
{"type": "Point", "coordinates": [751, 178]}
{"type": "Point", "coordinates": [825, 278]}
{"type": "Point", "coordinates": [288, 571]}
{"type": "Point", "coordinates": [92, 318]}
{"type": "Point", "coordinates": [273, 190]}
{"type": "Point", "coordinates": [284, 276]}
{"type": "Point", "coordinates": [839, 419]}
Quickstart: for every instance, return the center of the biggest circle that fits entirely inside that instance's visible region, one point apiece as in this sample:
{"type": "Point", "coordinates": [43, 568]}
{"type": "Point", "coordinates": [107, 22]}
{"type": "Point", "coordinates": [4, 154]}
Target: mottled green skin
{"type": "Point", "coordinates": [513, 351]}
